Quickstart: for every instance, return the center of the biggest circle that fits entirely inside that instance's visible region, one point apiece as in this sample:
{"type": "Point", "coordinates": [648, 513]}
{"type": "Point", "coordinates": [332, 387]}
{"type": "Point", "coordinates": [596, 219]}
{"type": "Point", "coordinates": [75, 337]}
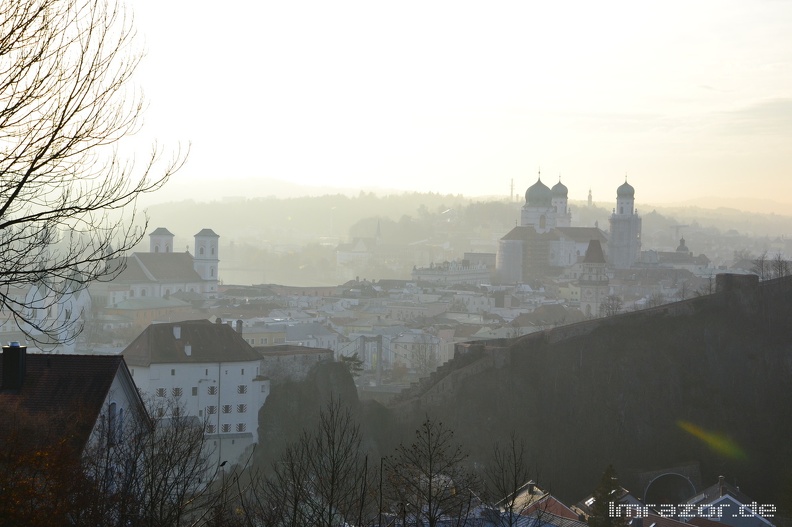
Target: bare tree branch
{"type": "Point", "coordinates": [66, 103]}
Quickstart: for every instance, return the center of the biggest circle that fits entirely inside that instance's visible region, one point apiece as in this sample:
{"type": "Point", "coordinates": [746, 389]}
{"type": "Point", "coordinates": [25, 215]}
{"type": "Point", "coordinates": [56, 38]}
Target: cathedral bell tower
{"type": "Point", "coordinates": [207, 259]}
{"type": "Point", "coordinates": [624, 245]}
{"type": "Point", "coordinates": [161, 241]}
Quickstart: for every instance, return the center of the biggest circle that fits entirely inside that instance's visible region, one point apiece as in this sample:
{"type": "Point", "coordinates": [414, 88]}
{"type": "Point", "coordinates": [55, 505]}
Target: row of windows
{"type": "Point", "coordinates": [211, 390]}
{"type": "Point", "coordinates": [227, 409]}
{"type": "Point", "coordinates": [206, 371]}
{"type": "Point", "coordinates": [167, 292]}
{"type": "Point", "coordinates": [225, 428]}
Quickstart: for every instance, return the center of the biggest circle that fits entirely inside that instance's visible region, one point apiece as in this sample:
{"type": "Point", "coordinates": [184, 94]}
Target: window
{"type": "Point", "coordinates": [211, 429]}
{"type": "Point", "coordinates": [173, 372]}
{"type": "Point", "coordinates": [201, 251]}
{"type": "Point", "coordinates": [156, 248]}
{"type": "Point", "coordinates": [211, 271]}
{"type": "Point", "coordinates": [212, 390]}
{"type": "Point", "coordinates": [194, 391]}
{"type": "Point", "coordinates": [241, 408]}
{"type": "Point", "coordinates": [120, 426]}
{"type": "Point", "coordinates": [211, 410]}
{"type": "Point", "coordinates": [177, 392]}
{"type": "Point", "coordinates": [240, 427]}
{"type": "Point", "coordinates": [263, 388]}
{"type": "Point", "coordinates": [243, 371]}
{"type": "Point", "coordinates": [111, 424]}
{"type": "Point", "coordinates": [160, 412]}
{"type": "Point", "coordinates": [227, 408]}
{"type": "Point", "coordinates": [213, 251]}
{"type": "Point", "coordinates": [226, 427]}
{"type": "Point", "coordinates": [143, 292]}
{"type": "Point", "coordinates": [161, 392]}
{"type": "Point", "coordinates": [242, 388]}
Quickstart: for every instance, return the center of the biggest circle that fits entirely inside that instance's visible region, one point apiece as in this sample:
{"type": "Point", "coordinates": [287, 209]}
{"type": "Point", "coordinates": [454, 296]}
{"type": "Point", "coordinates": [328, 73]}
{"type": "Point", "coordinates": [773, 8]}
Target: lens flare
{"type": "Point", "coordinates": [717, 442]}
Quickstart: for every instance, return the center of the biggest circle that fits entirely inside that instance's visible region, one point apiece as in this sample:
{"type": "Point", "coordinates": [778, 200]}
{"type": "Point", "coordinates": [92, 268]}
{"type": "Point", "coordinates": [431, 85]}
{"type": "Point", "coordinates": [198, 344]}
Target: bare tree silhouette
{"type": "Point", "coordinates": [66, 103]}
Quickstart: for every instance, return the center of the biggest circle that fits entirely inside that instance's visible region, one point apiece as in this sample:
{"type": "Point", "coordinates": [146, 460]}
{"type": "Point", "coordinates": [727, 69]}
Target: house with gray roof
{"type": "Point", "coordinates": [162, 272]}
{"type": "Point", "coordinates": [211, 373]}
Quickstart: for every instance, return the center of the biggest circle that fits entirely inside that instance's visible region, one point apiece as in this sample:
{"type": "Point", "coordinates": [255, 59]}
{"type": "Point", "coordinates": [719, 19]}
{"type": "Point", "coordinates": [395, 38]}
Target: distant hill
{"type": "Point", "coordinates": [333, 215]}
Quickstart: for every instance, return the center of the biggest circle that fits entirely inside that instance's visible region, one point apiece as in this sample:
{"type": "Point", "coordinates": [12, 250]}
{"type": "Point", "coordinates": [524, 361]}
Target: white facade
{"type": "Point", "coordinates": [209, 372]}
{"type": "Point", "coordinates": [161, 241]}
{"type": "Point", "coordinates": [207, 258]}
{"type": "Point", "coordinates": [62, 315]}
{"type": "Point", "coordinates": [226, 396]}
{"type": "Point", "coordinates": [453, 273]}
{"type": "Point", "coordinates": [122, 412]}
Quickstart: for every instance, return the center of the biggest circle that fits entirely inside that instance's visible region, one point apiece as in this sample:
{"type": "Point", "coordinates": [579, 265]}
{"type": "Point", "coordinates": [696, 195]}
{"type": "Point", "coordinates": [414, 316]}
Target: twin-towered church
{"type": "Point", "coordinates": [545, 243]}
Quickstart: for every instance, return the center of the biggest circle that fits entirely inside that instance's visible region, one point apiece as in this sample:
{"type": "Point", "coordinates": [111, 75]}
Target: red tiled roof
{"type": "Point", "coordinates": [550, 505]}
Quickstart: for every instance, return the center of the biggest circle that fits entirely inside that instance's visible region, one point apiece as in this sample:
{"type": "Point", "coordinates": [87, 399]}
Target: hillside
{"type": "Point", "coordinates": [706, 380]}
{"type": "Point", "coordinates": [617, 390]}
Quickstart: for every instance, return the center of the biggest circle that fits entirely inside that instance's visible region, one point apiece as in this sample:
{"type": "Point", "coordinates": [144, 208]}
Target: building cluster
{"type": "Point", "coordinates": [216, 348]}
{"type": "Point", "coordinates": [167, 330]}
{"type": "Point", "coordinates": [581, 266]}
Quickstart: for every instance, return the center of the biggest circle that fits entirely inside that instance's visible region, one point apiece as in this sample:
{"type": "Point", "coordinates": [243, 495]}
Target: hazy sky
{"type": "Point", "coordinates": [688, 98]}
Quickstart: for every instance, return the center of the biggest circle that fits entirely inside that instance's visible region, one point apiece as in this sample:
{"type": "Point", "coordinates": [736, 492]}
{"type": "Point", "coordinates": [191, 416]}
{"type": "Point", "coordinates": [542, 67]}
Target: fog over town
{"type": "Point", "coordinates": [424, 264]}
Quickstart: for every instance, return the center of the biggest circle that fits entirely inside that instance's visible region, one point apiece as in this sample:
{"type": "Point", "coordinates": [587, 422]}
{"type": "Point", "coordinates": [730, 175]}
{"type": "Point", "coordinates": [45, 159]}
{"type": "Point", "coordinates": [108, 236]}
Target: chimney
{"type": "Point", "coordinates": [218, 320]}
{"type": "Point", "coordinates": [239, 326]}
{"type": "Point", "coordinates": [177, 332]}
{"type": "Point", "coordinates": [721, 486]}
{"type": "Point", "coordinates": [14, 368]}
